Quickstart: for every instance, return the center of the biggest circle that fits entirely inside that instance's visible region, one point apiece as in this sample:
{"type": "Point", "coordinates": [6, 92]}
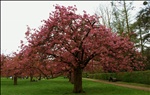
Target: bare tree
{"type": "Point", "coordinates": [106, 15]}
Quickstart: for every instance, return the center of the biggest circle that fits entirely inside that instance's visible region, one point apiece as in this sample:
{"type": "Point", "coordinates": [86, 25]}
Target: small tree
{"type": "Point", "coordinates": [12, 67]}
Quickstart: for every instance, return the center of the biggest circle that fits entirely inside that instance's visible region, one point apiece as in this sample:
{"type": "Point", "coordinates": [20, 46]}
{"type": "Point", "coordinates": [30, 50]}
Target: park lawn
{"type": "Point", "coordinates": [61, 86]}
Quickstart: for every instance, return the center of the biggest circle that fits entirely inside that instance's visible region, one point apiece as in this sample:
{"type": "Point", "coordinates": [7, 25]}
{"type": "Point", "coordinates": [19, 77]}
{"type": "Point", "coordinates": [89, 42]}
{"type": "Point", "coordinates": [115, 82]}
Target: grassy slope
{"type": "Point", "coordinates": [61, 86]}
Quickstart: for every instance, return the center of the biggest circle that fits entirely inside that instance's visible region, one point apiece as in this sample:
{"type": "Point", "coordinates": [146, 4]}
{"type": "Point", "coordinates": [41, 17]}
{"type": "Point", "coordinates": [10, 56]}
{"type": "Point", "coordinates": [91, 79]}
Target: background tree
{"type": "Point", "coordinates": [12, 67]}
{"type": "Point", "coordinates": [122, 17]}
{"type": "Point", "coordinates": [4, 59]}
{"type": "Point", "coordinates": [105, 14]}
{"type": "Point", "coordinates": [142, 29]}
{"type": "Point", "coordinates": [33, 62]}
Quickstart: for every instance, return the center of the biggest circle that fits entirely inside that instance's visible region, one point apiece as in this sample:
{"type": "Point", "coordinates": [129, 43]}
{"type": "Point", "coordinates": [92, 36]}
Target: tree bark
{"type": "Point", "coordinates": [72, 77]}
{"type": "Point", "coordinates": [40, 77]}
{"type": "Point", "coordinates": [15, 80]}
{"type": "Point", "coordinates": [69, 76]}
{"type": "Point", "coordinates": [77, 80]}
{"type": "Point", "coordinates": [52, 76]}
{"type": "Point", "coordinates": [31, 78]}
{"type": "Point", "coordinates": [141, 40]}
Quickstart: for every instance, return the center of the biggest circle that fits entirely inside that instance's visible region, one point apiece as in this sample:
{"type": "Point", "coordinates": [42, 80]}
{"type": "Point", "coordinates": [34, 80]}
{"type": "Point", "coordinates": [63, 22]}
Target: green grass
{"type": "Point", "coordinates": [61, 86]}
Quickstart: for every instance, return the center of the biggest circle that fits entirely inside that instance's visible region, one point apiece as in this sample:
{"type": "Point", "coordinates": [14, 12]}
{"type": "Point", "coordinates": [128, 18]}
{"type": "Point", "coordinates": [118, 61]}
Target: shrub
{"type": "Point", "coordinates": [135, 77]}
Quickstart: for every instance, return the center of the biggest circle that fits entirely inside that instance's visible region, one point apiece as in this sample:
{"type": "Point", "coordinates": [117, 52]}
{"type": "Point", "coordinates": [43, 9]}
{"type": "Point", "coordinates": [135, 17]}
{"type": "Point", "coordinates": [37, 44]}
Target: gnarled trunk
{"type": "Point", "coordinates": [78, 80]}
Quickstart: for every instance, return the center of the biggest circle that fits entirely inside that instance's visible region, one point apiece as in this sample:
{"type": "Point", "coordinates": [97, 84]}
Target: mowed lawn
{"type": "Point", "coordinates": [61, 86]}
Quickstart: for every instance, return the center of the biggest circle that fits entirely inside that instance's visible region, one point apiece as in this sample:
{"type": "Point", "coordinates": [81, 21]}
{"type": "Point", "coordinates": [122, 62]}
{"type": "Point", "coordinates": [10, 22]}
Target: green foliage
{"type": "Point", "coordinates": [104, 76]}
{"type": "Point", "coordinates": [147, 54]}
{"type": "Point", "coordinates": [135, 77]}
{"type": "Point", "coordinates": [141, 27]}
{"type": "Point", "coordinates": [61, 86]}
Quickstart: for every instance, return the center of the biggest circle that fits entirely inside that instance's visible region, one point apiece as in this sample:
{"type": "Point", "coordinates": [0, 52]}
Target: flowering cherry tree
{"type": "Point", "coordinates": [12, 66]}
{"type": "Point", "coordinates": [4, 59]}
{"type": "Point", "coordinates": [37, 62]}
{"type": "Point", "coordinates": [72, 40]}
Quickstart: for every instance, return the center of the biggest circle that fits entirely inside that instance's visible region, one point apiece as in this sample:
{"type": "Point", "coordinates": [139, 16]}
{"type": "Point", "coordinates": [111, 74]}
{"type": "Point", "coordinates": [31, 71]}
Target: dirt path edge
{"type": "Point", "coordinates": [120, 84]}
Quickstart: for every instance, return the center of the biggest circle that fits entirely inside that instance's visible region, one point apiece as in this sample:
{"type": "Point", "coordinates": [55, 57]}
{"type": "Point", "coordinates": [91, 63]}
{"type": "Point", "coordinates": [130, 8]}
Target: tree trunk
{"type": "Point", "coordinates": [15, 80]}
{"type": "Point", "coordinates": [72, 77]}
{"type": "Point", "coordinates": [141, 40]}
{"type": "Point", "coordinates": [40, 77]}
{"type": "Point", "coordinates": [127, 19]}
{"type": "Point", "coordinates": [31, 78]}
{"type": "Point", "coordinates": [52, 76]}
{"type": "Point", "coordinates": [69, 76]}
{"type": "Point", "coordinates": [77, 80]}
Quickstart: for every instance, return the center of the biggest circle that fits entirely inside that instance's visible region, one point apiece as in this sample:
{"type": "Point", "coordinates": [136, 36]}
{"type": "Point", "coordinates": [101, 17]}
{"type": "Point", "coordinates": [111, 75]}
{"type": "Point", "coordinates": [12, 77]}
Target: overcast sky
{"type": "Point", "coordinates": [16, 15]}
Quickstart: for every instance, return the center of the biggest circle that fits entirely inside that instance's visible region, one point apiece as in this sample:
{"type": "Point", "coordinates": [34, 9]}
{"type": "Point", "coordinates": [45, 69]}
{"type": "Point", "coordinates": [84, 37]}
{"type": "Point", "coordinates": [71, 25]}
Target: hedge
{"type": "Point", "coordinates": [134, 77]}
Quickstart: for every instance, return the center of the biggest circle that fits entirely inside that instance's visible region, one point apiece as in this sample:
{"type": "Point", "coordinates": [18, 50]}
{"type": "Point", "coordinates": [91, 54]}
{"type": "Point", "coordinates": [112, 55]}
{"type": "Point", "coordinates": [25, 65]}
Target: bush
{"type": "Point", "coordinates": [135, 77]}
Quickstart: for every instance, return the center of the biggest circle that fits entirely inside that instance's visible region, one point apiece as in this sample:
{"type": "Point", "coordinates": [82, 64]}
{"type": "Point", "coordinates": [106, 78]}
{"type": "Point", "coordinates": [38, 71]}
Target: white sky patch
{"type": "Point", "coordinates": [16, 15]}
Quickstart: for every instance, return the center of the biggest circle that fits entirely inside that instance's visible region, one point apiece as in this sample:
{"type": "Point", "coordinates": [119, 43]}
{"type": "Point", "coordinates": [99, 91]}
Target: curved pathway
{"type": "Point", "coordinates": [121, 84]}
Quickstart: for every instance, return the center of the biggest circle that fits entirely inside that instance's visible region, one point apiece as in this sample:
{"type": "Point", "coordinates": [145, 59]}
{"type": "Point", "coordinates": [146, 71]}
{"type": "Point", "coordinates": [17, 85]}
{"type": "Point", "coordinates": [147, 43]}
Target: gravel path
{"type": "Point", "coordinates": [121, 84]}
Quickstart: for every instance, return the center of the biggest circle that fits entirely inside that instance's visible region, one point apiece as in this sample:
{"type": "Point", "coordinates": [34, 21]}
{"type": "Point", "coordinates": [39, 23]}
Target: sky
{"type": "Point", "coordinates": [16, 15]}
